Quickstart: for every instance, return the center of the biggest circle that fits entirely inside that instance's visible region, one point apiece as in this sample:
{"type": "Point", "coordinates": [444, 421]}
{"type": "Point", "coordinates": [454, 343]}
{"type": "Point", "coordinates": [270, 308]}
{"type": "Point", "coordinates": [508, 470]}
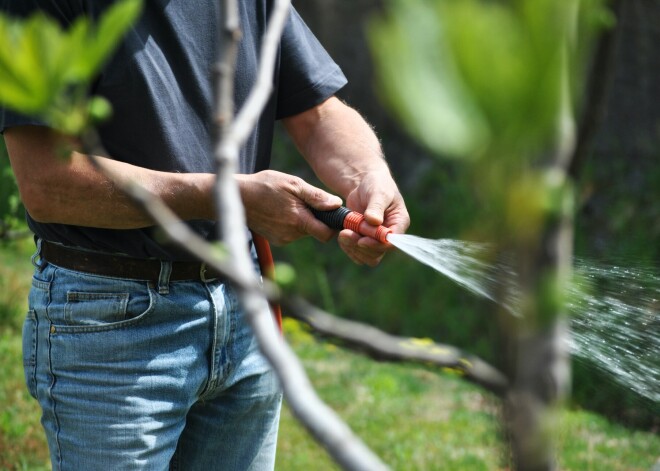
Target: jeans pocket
{"type": "Point", "coordinates": [83, 308]}
{"type": "Point", "coordinates": [101, 310]}
{"type": "Point", "coordinates": [30, 352]}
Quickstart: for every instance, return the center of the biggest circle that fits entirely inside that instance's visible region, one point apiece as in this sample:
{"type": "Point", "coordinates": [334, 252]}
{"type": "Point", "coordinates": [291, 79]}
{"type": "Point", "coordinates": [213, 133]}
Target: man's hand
{"type": "Point", "coordinates": [276, 206]}
{"type": "Point", "coordinates": [378, 198]}
{"type": "Point", "coordinates": [344, 152]}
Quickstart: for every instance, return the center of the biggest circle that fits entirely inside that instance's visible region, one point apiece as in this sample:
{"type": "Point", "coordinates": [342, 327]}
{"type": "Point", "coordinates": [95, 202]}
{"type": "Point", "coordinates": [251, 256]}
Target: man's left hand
{"type": "Point", "coordinates": [378, 198]}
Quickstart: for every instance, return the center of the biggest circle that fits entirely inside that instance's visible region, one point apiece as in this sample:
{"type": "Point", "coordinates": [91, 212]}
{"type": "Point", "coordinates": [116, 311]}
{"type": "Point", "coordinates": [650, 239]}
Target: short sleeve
{"type": "Point", "coordinates": [308, 75]}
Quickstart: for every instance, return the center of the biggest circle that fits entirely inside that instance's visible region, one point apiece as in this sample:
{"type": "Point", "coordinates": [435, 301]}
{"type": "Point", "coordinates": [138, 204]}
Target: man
{"type": "Point", "coordinates": [138, 357]}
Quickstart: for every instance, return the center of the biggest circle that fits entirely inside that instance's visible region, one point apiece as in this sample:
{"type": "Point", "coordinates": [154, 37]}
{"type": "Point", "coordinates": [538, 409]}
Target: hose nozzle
{"type": "Point", "coordinates": [344, 218]}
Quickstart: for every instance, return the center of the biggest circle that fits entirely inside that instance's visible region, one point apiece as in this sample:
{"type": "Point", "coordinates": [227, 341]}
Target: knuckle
{"type": "Point", "coordinates": [296, 184]}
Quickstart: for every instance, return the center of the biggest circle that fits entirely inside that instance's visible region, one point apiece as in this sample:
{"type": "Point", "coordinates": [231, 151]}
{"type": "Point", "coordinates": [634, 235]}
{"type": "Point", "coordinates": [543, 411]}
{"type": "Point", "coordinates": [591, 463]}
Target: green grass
{"type": "Point", "coordinates": [415, 418]}
{"type": "Point", "coordinates": [22, 444]}
{"type": "Point", "coordinates": [407, 415]}
{"type": "Point", "coordinates": [418, 418]}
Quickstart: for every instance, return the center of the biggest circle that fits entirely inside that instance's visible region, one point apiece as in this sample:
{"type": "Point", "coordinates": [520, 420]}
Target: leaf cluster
{"type": "Point", "coordinates": [45, 69]}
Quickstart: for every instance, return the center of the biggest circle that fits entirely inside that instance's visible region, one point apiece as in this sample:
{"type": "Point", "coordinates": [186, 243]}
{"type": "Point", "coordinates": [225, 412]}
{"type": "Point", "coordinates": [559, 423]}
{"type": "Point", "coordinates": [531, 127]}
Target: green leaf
{"type": "Point", "coordinates": [481, 78]}
{"type": "Point", "coordinates": [419, 80]}
{"type": "Point", "coordinates": [99, 109]}
{"type": "Point", "coordinates": [45, 70]}
{"type": "Point", "coordinates": [285, 275]}
{"type": "Point", "coordinates": [22, 76]}
{"type": "Point", "coordinates": [111, 28]}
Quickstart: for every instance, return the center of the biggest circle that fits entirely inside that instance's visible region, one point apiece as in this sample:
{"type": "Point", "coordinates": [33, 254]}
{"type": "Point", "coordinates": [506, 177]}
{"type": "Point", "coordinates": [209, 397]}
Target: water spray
{"type": "Point", "coordinates": [613, 329]}
{"type": "Point", "coordinates": [344, 218]}
{"type": "Point", "coordinates": [460, 261]}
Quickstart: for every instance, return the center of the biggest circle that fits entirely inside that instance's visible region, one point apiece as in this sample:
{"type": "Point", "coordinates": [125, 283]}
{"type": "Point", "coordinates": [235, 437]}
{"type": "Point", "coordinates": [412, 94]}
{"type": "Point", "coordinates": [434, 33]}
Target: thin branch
{"type": "Point", "coordinates": [322, 422]}
{"type": "Point", "coordinates": [383, 346]}
{"type": "Point", "coordinates": [249, 114]}
{"type": "Point", "coordinates": [597, 89]}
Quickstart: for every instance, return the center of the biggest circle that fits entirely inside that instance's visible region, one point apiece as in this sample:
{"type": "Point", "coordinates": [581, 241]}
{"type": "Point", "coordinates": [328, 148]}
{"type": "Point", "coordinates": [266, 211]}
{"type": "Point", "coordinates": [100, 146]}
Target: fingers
{"type": "Point", "coordinates": [362, 250]}
{"type": "Point", "coordinates": [315, 228]}
{"type": "Point", "coordinates": [315, 197]}
{"type": "Point", "coordinates": [385, 208]}
{"type": "Point", "coordinates": [318, 199]}
{"type": "Point", "coordinates": [277, 205]}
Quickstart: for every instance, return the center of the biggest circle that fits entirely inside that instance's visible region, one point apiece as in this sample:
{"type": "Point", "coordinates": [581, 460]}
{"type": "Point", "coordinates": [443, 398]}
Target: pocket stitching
{"type": "Point", "coordinates": [30, 362]}
{"type": "Point", "coordinates": [75, 329]}
{"type": "Point", "coordinates": [73, 297]}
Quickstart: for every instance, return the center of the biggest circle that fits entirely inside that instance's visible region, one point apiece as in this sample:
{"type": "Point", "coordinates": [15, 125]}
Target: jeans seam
{"type": "Point", "coordinates": [232, 313]}
{"type": "Point", "coordinates": [30, 365]}
{"type": "Point", "coordinates": [49, 392]}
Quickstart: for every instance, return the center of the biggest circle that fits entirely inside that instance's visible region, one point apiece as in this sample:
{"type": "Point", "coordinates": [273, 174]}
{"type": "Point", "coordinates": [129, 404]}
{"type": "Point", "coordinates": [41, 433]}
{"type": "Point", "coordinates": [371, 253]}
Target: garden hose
{"type": "Point", "coordinates": [344, 218]}
{"type": "Point", "coordinates": [267, 267]}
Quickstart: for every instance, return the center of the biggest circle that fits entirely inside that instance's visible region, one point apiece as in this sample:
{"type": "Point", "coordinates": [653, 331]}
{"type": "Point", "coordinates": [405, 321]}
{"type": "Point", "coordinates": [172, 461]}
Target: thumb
{"type": "Point", "coordinates": [317, 198]}
{"type": "Point", "coordinates": [375, 212]}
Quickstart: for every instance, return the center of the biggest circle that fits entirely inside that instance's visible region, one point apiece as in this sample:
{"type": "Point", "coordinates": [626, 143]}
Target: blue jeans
{"type": "Point", "coordinates": [132, 376]}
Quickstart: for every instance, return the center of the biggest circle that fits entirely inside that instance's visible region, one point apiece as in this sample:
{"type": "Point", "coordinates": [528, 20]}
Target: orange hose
{"type": "Point", "coordinates": [267, 266]}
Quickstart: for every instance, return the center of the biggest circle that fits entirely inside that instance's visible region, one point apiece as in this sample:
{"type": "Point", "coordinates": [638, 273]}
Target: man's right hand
{"type": "Point", "coordinates": [277, 206]}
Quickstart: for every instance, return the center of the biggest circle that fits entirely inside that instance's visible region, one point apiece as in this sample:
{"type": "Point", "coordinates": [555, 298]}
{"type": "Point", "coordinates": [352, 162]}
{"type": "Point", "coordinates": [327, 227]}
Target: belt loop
{"type": "Point", "coordinates": [37, 259]}
{"type": "Point", "coordinates": [164, 277]}
{"type": "Point", "coordinates": [202, 272]}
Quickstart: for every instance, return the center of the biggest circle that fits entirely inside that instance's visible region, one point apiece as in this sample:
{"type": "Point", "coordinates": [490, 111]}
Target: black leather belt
{"type": "Point", "coordinates": [120, 266]}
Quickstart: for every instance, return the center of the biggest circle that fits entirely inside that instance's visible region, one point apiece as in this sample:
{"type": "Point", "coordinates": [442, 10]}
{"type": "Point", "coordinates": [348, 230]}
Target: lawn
{"type": "Point", "coordinates": [414, 417]}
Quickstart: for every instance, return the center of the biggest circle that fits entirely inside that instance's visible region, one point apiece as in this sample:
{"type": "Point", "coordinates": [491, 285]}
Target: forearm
{"type": "Point", "coordinates": [71, 190]}
{"type": "Point", "coordinates": [92, 197]}
{"type": "Point", "coordinates": [339, 145]}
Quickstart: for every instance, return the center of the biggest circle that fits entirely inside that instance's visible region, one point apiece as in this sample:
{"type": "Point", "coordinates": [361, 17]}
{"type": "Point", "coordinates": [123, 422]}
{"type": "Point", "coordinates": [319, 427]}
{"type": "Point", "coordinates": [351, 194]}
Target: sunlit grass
{"type": "Point", "coordinates": [416, 418]}
{"type": "Point", "coordinates": [22, 443]}
{"type": "Point", "coordinates": [406, 415]}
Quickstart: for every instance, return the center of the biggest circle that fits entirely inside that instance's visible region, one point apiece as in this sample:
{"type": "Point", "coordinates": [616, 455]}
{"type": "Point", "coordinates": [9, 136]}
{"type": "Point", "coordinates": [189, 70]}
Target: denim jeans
{"type": "Point", "coordinates": [132, 376]}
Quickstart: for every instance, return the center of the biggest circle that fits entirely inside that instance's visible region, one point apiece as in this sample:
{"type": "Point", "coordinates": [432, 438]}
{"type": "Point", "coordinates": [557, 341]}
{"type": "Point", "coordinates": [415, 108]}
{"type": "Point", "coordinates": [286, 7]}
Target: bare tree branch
{"type": "Point", "coordinates": [345, 448]}
{"type": "Point", "coordinates": [383, 346]}
{"type": "Point", "coordinates": [596, 91]}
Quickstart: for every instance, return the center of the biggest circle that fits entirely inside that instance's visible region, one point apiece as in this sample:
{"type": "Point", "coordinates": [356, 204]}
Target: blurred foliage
{"type": "Point", "coordinates": [515, 71]}
{"type": "Point", "coordinates": [495, 83]}
{"type": "Point", "coordinates": [45, 69]}
{"type": "Point", "coordinates": [478, 79]}
{"type": "Point", "coordinates": [11, 208]}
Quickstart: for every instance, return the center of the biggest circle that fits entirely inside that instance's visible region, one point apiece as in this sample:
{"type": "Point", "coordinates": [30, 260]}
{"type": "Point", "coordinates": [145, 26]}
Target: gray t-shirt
{"type": "Point", "coordinates": [160, 85]}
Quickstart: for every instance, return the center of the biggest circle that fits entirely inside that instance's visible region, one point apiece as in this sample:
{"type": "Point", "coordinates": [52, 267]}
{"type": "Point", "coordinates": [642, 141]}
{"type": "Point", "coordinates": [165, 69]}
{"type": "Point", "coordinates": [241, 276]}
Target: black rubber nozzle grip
{"type": "Point", "coordinates": [333, 218]}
